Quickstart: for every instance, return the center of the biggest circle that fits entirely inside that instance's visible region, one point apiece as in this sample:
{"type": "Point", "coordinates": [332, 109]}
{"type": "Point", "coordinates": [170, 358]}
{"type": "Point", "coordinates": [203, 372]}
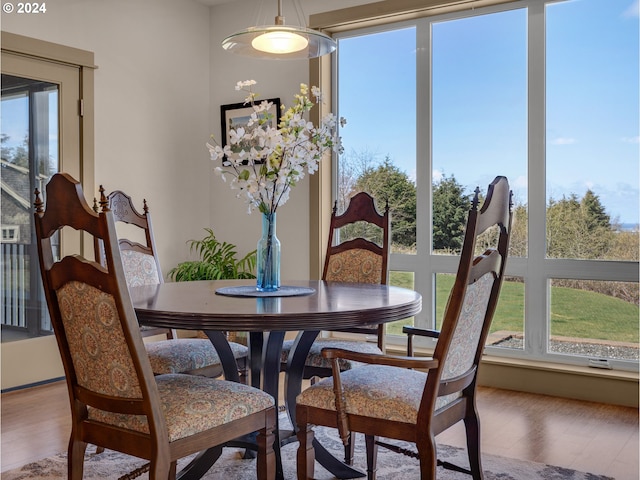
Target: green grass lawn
{"type": "Point", "coordinates": [575, 313]}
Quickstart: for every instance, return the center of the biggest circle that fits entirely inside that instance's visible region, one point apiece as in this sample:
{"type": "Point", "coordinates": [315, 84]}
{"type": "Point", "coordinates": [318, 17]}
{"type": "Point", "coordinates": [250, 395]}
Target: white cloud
{"type": "Point", "coordinates": [635, 139]}
{"type": "Point", "coordinates": [632, 10]}
{"type": "Point", "coordinates": [563, 141]}
{"type": "Point", "coordinates": [520, 182]}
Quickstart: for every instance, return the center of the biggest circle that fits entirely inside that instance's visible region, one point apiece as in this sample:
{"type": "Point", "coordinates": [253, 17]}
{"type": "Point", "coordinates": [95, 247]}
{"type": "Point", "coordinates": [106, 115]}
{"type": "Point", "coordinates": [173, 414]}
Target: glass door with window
{"type": "Point", "coordinates": [40, 134]}
{"type": "Point", "coordinates": [29, 158]}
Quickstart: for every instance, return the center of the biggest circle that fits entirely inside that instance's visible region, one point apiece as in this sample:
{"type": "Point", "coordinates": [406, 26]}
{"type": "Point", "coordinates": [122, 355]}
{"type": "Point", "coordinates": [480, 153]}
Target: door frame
{"type": "Point", "coordinates": [73, 69]}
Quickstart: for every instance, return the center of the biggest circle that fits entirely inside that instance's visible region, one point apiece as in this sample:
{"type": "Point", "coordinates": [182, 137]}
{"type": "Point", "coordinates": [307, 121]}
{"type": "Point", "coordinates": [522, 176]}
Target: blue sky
{"type": "Point", "coordinates": [479, 100]}
{"type": "Point", "coordinates": [15, 117]}
{"type": "Point", "coordinates": [15, 122]}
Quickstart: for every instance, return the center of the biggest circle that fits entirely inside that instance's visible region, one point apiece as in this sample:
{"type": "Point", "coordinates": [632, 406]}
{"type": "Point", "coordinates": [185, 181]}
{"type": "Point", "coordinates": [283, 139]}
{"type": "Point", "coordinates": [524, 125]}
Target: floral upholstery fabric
{"type": "Point", "coordinates": [315, 358]}
{"type": "Point", "coordinates": [139, 268]}
{"type": "Point", "coordinates": [193, 404]}
{"type": "Point", "coordinates": [356, 265]}
{"type": "Point", "coordinates": [465, 339]}
{"type": "Point", "coordinates": [96, 340]}
{"type": "Point", "coordinates": [377, 391]}
{"type": "Point", "coordinates": [395, 393]}
{"type": "Point", "coordinates": [353, 266]}
{"type": "Point", "coordinates": [103, 364]}
{"type": "Point", "coordinates": [186, 354]}
{"type": "Point", "coordinates": [175, 355]}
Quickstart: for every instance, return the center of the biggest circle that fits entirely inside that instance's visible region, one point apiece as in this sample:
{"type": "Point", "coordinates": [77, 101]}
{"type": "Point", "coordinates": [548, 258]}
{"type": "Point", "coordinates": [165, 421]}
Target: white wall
{"type": "Point", "coordinates": [151, 103]}
{"type": "Point", "coordinates": [275, 79]}
{"type": "Point", "coordinates": [161, 79]}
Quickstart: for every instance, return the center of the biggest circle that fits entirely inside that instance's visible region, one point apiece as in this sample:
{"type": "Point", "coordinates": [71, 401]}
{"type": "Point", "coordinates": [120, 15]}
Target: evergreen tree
{"type": "Point", "coordinates": [18, 155]}
{"type": "Point", "coordinates": [594, 211]}
{"type": "Point", "coordinates": [578, 228]}
{"type": "Point", "coordinates": [387, 183]}
{"type": "Point", "coordinates": [450, 208]}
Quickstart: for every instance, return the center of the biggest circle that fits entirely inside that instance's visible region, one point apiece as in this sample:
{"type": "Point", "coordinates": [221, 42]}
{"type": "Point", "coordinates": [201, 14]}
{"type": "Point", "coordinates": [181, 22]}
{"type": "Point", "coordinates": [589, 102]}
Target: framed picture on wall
{"type": "Point", "coordinates": [236, 115]}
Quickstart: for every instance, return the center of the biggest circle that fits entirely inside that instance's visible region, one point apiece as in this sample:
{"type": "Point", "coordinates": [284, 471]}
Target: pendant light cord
{"type": "Point", "coordinates": [302, 18]}
{"type": "Point", "coordinates": [260, 18]}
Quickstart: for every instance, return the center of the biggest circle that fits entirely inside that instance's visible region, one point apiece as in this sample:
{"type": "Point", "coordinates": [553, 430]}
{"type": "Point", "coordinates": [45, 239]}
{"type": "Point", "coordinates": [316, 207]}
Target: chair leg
{"type": "Point", "coordinates": [243, 371]}
{"type": "Point", "coordinates": [266, 463]}
{"type": "Point", "coordinates": [349, 448]}
{"type": "Point", "coordinates": [372, 455]}
{"type": "Point", "coordinates": [472, 428]}
{"type": "Point", "coordinates": [75, 460]}
{"type": "Point", "coordinates": [306, 455]}
{"type": "Point", "coordinates": [428, 458]}
{"type": "Point", "coordinates": [160, 468]}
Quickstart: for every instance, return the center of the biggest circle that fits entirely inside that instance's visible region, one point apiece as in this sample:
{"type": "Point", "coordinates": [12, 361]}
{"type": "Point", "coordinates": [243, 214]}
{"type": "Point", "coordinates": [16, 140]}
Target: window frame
{"type": "Point", "coordinates": [10, 233]}
{"type": "Point", "coordinates": [536, 269]}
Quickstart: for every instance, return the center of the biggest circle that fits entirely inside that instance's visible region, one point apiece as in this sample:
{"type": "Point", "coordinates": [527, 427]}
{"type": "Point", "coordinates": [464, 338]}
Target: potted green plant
{"type": "Point", "coordinates": [218, 260]}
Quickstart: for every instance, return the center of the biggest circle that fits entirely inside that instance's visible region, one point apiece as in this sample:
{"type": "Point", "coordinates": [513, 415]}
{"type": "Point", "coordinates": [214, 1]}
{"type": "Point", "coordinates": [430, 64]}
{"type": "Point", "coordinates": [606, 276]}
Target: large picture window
{"type": "Point", "coordinates": [545, 93]}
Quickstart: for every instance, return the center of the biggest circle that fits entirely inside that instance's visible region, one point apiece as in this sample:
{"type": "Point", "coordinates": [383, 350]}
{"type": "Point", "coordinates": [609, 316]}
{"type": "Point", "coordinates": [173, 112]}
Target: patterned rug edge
{"type": "Point", "coordinates": [111, 465]}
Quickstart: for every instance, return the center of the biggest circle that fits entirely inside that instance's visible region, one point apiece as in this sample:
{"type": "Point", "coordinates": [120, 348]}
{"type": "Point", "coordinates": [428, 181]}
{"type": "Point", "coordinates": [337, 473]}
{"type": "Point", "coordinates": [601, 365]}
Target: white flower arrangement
{"type": "Point", "coordinates": [278, 157]}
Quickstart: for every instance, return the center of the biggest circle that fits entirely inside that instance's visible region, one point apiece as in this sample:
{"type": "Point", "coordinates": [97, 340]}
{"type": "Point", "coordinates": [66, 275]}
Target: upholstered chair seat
{"type": "Point", "coordinates": [187, 354]}
{"type": "Point", "coordinates": [315, 359]}
{"type": "Point", "coordinates": [193, 404]}
{"type": "Point", "coordinates": [397, 393]}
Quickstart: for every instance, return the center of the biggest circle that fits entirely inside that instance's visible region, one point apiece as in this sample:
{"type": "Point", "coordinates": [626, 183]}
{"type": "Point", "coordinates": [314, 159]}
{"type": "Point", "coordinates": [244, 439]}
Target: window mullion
{"type": "Point", "coordinates": [536, 290]}
{"type": "Point", "coordinates": [424, 277]}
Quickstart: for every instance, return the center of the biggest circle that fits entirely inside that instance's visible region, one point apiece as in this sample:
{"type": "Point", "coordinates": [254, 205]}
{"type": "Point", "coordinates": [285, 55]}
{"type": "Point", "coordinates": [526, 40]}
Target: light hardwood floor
{"type": "Point", "coordinates": [590, 437]}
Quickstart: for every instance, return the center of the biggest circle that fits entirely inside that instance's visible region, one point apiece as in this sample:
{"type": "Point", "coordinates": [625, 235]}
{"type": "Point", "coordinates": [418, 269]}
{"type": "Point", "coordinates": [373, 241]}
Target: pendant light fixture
{"type": "Point", "coordinates": [279, 41]}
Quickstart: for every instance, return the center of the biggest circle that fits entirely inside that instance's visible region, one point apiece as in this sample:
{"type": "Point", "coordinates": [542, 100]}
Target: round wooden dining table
{"type": "Point", "coordinates": [306, 307]}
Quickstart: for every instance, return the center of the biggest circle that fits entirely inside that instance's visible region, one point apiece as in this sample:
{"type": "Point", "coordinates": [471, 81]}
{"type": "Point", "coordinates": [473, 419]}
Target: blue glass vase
{"type": "Point", "coordinates": [268, 256]}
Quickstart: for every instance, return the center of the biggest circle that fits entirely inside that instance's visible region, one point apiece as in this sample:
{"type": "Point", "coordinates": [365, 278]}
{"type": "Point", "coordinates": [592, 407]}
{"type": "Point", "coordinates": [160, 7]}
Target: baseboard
{"type": "Point", "coordinates": [30, 385]}
{"type": "Point", "coordinates": [559, 380]}
{"type": "Point", "coordinates": [612, 387]}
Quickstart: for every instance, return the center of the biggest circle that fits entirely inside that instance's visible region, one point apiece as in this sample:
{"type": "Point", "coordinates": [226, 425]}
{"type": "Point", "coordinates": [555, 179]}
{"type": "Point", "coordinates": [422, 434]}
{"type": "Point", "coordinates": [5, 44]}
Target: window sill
{"type": "Point", "coordinates": [613, 387]}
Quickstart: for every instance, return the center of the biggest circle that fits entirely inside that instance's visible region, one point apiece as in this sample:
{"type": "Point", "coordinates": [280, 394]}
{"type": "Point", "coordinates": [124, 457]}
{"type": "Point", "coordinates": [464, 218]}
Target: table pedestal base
{"type": "Point", "coordinates": [264, 371]}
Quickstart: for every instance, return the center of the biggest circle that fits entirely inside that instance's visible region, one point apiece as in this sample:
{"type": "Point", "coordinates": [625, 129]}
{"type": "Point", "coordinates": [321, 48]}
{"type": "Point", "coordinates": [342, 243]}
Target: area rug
{"type": "Point", "coordinates": [111, 465]}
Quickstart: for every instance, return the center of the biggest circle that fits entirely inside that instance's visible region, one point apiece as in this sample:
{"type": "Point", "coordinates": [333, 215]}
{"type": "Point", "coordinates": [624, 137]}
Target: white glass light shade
{"type": "Point", "coordinates": [279, 42]}
{"type": "Point", "coordinates": [249, 42]}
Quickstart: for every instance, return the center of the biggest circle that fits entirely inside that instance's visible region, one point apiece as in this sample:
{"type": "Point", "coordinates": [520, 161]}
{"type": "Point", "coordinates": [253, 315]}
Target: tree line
{"type": "Point", "coordinates": [576, 227]}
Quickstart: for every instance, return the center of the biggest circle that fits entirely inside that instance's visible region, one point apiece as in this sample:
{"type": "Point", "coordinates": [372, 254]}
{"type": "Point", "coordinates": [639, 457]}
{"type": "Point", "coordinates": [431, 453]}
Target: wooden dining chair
{"type": "Point", "coordinates": [116, 400]}
{"type": "Point", "coordinates": [351, 260]}
{"type": "Point", "coordinates": [141, 264]}
{"type": "Point", "coordinates": [413, 399]}
{"type": "Point", "coordinates": [354, 260]}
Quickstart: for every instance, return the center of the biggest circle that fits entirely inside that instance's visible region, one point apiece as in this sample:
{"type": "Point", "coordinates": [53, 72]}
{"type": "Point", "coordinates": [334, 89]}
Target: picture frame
{"type": "Point", "coordinates": [235, 115]}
